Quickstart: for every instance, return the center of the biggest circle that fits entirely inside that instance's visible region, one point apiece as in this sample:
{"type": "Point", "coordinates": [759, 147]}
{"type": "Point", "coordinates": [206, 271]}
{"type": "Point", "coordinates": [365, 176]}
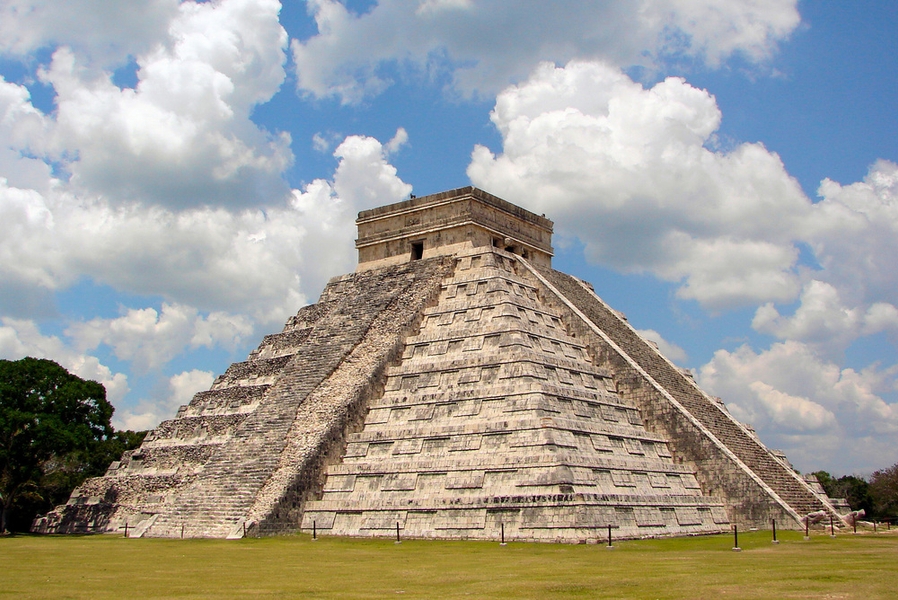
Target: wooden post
{"type": "Point", "coordinates": [314, 530]}
{"type": "Point", "coordinates": [609, 536]}
{"type": "Point", "coordinates": [126, 529]}
{"type": "Point", "coordinates": [736, 547]}
{"type": "Point", "coordinates": [502, 543]}
{"type": "Point", "coordinates": [182, 531]}
{"type": "Point", "coordinates": [398, 541]}
{"type": "Point", "coordinates": [775, 541]}
{"type": "Point", "coordinates": [807, 528]}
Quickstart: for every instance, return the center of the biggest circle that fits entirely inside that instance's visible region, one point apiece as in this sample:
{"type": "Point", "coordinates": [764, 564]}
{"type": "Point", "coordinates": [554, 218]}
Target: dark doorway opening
{"type": "Point", "coordinates": [417, 250]}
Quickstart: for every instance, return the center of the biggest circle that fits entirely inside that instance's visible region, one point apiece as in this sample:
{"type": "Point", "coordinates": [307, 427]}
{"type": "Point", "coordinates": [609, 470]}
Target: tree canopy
{"type": "Point", "coordinates": [55, 431]}
{"type": "Point", "coordinates": [854, 489]}
{"type": "Point", "coordinates": [884, 490]}
{"type": "Point", "coordinates": [878, 496]}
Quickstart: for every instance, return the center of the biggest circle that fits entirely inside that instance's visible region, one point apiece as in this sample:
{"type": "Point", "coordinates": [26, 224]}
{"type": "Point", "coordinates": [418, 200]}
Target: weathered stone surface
{"type": "Point", "coordinates": [454, 386]}
{"type": "Point", "coordinates": [731, 463]}
{"type": "Point", "coordinates": [223, 459]}
{"type": "Point", "coordinates": [449, 221]}
{"type": "Point", "coordinates": [496, 417]}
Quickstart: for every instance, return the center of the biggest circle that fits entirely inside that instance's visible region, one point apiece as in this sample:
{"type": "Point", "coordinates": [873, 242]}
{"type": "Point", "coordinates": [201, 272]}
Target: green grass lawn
{"type": "Point", "coordinates": [849, 566]}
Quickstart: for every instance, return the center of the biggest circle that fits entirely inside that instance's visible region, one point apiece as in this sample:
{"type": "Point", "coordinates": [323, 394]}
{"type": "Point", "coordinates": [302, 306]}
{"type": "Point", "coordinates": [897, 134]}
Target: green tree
{"type": "Point", "coordinates": [828, 482]}
{"type": "Point", "coordinates": [857, 491]}
{"type": "Point", "coordinates": [55, 431]}
{"type": "Point", "coordinates": [884, 490]}
{"type": "Point", "coordinates": [854, 489]}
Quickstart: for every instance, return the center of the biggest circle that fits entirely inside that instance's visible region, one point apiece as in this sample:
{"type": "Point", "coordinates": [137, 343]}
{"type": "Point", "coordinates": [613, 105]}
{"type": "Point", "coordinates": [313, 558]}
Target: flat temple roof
{"type": "Point", "coordinates": [469, 191]}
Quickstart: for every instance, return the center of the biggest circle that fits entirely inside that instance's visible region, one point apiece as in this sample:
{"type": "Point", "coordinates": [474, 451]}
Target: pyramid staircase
{"type": "Point", "coordinates": [496, 418]}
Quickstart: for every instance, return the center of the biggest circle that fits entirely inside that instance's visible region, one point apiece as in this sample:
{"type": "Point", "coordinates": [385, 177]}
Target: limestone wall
{"type": "Point", "coordinates": [263, 474]}
{"type": "Point", "coordinates": [338, 405]}
{"type": "Point", "coordinates": [445, 221]}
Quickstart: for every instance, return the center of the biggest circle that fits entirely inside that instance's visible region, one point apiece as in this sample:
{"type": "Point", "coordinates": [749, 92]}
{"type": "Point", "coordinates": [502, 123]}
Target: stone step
{"type": "Point", "coordinates": [233, 477]}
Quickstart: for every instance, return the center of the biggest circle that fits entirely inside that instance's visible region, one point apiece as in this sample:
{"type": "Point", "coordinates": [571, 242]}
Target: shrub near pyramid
{"type": "Point", "coordinates": [454, 386]}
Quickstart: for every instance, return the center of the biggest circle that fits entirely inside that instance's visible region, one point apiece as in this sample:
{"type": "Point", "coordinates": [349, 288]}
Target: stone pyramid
{"type": "Point", "coordinates": [454, 386]}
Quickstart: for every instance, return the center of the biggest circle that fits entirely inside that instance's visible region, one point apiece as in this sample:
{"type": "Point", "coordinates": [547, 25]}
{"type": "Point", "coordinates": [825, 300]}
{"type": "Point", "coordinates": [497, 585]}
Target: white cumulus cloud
{"type": "Point", "coordinates": [855, 234]}
{"type": "Point", "coordinates": [853, 231]}
{"type": "Point", "coordinates": [183, 135]}
{"type": "Point", "coordinates": [107, 32]}
{"type": "Point", "coordinates": [150, 339]}
{"type": "Point", "coordinates": [630, 172]}
{"type": "Point", "coordinates": [810, 407]}
{"type": "Point", "coordinates": [261, 264]}
{"type": "Point", "coordinates": [485, 45]}
{"type": "Point", "coordinates": [823, 321]}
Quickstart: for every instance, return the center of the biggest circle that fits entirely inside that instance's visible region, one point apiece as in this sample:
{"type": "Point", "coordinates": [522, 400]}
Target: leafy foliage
{"type": "Point", "coordinates": [857, 490]}
{"type": "Point", "coordinates": [55, 431]}
{"type": "Point", "coordinates": [884, 490]}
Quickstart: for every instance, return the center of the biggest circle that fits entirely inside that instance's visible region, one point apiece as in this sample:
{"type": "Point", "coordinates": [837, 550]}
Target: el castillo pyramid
{"type": "Point", "coordinates": [454, 386]}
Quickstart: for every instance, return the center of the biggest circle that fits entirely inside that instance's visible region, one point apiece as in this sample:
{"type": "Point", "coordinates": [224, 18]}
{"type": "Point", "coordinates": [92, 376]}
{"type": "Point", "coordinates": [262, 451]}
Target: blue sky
{"type": "Point", "coordinates": [179, 178]}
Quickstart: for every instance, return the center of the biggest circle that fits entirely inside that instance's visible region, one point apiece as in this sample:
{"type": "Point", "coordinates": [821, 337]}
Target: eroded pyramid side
{"type": "Point", "coordinates": [219, 466]}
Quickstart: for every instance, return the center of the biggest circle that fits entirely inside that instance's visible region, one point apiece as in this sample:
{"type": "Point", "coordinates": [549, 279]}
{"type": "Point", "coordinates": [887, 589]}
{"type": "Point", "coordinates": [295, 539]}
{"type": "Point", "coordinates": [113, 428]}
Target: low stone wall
{"type": "Point", "coordinates": [190, 428]}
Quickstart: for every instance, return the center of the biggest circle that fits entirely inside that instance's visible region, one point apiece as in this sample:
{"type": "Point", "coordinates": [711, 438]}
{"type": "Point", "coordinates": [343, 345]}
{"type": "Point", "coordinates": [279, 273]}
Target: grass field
{"type": "Point", "coordinates": [849, 566]}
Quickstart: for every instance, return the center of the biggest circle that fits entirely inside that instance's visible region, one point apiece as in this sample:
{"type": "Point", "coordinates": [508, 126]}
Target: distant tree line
{"type": "Point", "coordinates": [55, 432]}
{"type": "Point", "coordinates": [877, 496]}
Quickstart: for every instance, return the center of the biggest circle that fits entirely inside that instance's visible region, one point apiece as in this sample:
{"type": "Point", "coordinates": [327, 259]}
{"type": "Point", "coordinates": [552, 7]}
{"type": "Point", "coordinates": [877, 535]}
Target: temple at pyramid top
{"type": "Point", "coordinates": [441, 224]}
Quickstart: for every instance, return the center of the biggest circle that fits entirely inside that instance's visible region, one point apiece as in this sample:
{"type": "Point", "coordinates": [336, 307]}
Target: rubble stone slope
{"type": "Point", "coordinates": [199, 474]}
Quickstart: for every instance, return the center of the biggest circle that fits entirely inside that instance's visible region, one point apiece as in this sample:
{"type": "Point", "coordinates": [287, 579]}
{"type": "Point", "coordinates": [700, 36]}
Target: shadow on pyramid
{"type": "Point", "coordinates": [456, 387]}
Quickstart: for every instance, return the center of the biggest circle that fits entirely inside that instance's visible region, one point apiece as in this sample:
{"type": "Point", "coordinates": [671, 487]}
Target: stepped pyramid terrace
{"type": "Point", "coordinates": [453, 387]}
